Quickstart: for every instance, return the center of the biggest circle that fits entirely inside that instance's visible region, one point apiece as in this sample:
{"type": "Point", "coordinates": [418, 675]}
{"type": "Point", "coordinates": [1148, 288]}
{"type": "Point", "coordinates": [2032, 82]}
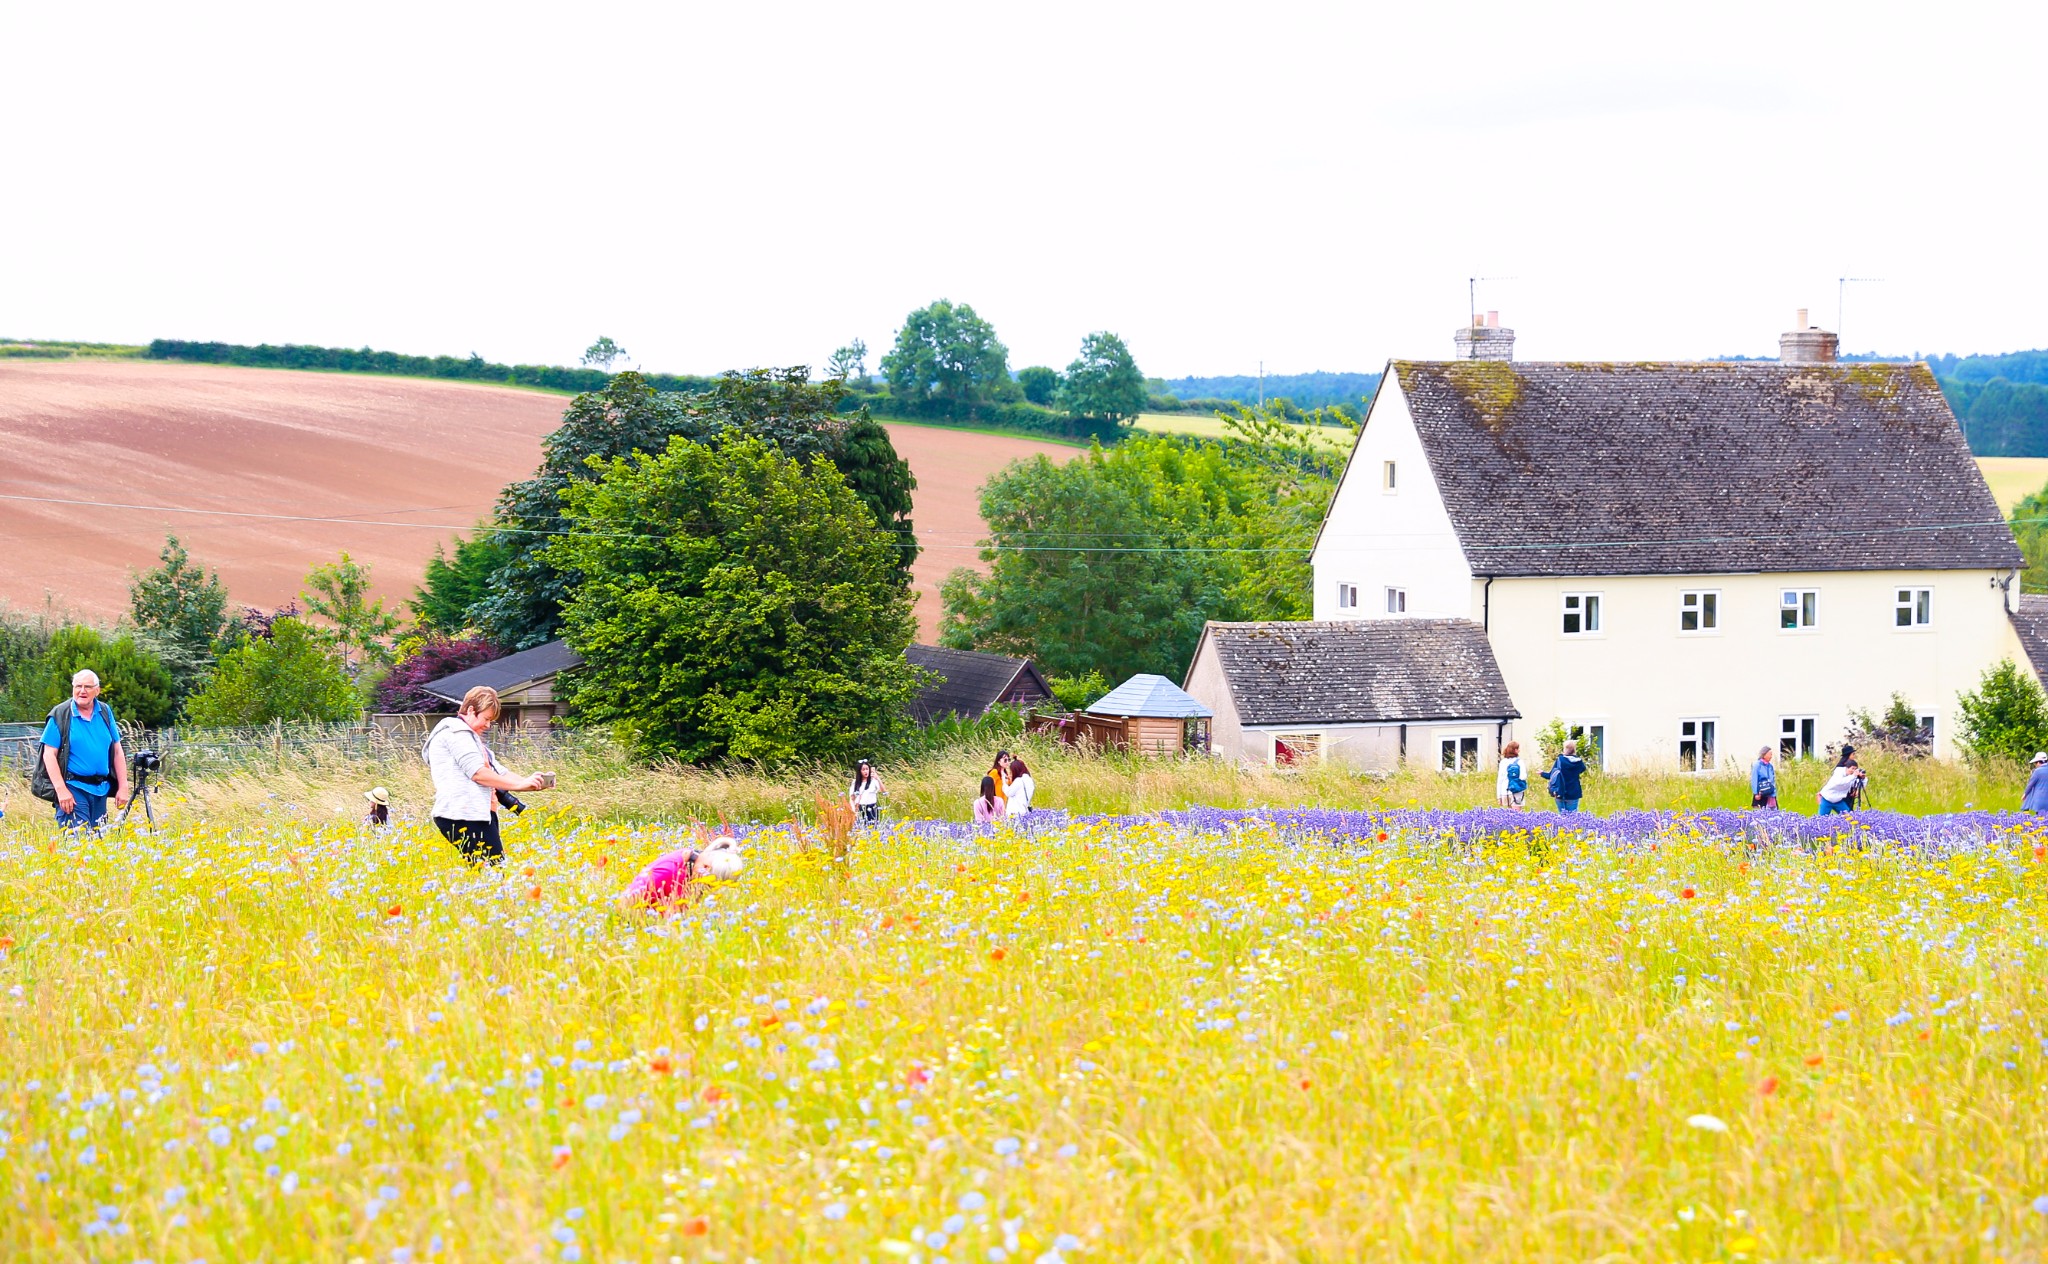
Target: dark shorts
{"type": "Point", "coordinates": [870, 813]}
{"type": "Point", "coordinates": [88, 811]}
{"type": "Point", "coordinates": [477, 840]}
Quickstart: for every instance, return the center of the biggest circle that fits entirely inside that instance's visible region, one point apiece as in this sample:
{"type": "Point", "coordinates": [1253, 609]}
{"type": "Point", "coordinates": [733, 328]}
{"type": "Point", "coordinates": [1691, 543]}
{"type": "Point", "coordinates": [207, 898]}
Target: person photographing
{"type": "Point", "coordinates": [82, 757]}
{"type": "Point", "coordinates": [1844, 785]}
{"type": "Point", "coordinates": [467, 778]}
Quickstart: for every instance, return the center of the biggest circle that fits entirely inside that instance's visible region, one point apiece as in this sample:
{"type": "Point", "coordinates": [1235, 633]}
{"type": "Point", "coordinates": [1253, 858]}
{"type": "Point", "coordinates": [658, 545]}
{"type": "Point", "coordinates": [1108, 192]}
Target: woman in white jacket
{"type": "Point", "coordinates": [467, 778]}
{"type": "Point", "coordinates": [1022, 787]}
{"type": "Point", "coordinates": [865, 794]}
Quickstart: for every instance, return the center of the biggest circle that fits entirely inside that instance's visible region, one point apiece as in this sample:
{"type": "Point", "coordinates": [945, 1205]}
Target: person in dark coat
{"type": "Point", "coordinates": [1564, 776]}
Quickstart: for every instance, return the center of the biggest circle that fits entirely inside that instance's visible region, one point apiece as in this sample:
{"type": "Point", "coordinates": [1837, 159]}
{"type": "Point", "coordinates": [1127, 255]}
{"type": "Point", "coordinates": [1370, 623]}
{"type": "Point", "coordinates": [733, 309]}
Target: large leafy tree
{"type": "Point", "coordinates": [181, 610]}
{"type": "Point", "coordinates": [1039, 384]}
{"type": "Point", "coordinates": [133, 679]}
{"type": "Point", "coordinates": [947, 360]}
{"type": "Point", "coordinates": [339, 592]}
{"type": "Point", "coordinates": [734, 602]}
{"type": "Point", "coordinates": [403, 688]}
{"type": "Point", "coordinates": [453, 586]}
{"type": "Point", "coordinates": [782, 407]}
{"type": "Point", "coordinates": [292, 675]}
{"type": "Point", "coordinates": [1112, 562]}
{"type": "Point", "coordinates": [1103, 388]}
{"type": "Point", "coordinates": [2030, 531]}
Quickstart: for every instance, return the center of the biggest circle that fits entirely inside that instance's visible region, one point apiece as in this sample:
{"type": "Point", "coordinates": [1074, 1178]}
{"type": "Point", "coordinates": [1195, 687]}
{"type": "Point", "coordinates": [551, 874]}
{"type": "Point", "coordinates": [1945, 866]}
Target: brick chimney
{"type": "Point", "coordinates": [1484, 339]}
{"type": "Point", "coordinates": [1807, 344]}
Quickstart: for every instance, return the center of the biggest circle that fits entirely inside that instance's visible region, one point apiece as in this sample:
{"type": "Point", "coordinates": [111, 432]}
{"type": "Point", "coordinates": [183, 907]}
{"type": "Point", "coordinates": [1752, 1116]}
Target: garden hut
{"type": "Point", "coordinates": [1151, 715]}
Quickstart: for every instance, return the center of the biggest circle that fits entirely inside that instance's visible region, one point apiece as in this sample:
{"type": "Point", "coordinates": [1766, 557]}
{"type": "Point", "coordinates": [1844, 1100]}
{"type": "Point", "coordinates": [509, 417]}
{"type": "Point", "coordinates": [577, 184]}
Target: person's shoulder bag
{"type": "Point", "coordinates": [1516, 782]}
{"type": "Point", "coordinates": [39, 783]}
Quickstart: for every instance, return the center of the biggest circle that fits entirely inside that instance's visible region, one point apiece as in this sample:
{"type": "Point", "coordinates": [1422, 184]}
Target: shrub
{"type": "Point", "coordinates": [289, 676]}
{"type": "Point", "coordinates": [136, 683]}
{"type": "Point", "coordinates": [2004, 717]}
{"type": "Point", "coordinates": [403, 688]}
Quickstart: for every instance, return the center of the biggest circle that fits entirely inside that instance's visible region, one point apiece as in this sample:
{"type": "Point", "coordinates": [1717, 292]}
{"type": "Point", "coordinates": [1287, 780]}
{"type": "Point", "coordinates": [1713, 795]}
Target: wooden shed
{"type": "Point", "coordinates": [1152, 715]}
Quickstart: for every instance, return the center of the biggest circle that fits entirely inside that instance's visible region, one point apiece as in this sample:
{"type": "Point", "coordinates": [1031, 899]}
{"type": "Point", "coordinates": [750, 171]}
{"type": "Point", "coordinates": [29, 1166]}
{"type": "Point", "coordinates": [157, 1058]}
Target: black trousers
{"type": "Point", "coordinates": [477, 840]}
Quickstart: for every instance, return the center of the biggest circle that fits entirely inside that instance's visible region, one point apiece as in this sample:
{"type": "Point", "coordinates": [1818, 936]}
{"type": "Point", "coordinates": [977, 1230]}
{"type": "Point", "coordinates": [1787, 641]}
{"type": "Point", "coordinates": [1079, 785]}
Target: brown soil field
{"type": "Point", "coordinates": [107, 457]}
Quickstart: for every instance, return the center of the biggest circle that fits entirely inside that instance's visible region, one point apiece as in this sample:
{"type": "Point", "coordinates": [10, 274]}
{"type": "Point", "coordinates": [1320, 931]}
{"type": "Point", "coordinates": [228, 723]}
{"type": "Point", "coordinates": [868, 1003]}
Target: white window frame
{"type": "Point", "coordinates": [1582, 731]}
{"type": "Point", "coordinates": [1451, 749]}
{"type": "Point", "coordinates": [1347, 596]}
{"type": "Point", "coordinates": [1308, 741]}
{"type": "Point", "coordinates": [1397, 600]}
{"type": "Point", "coordinates": [1389, 475]}
{"type": "Point", "coordinates": [1926, 720]}
{"type": "Point", "coordinates": [1803, 605]}
{"type": "Point", "coordinates": [1705, 739]}
{"type": "Point", "coordinates": [1704, 605]}
{"type": "Point", "coordinates": [1916, 605]}
{"type": "Point", "coordinates": [1586, 607]}
{"type": "Point", "coordinates": [1802, 732]}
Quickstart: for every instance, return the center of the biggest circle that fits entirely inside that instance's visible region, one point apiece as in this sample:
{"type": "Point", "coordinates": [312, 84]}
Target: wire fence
{"type": "Point", "coordinates": [205, 753]}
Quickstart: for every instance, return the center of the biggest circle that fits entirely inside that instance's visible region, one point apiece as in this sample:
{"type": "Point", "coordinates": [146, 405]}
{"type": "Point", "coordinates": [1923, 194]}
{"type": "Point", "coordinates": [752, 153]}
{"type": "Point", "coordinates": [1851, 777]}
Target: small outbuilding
{"type": "Point", "coordinates": [1368, 693]}
{"type": "Point", "coordinates": [525, 683]}
{"type": "Point", "coordinates": [1148, 714]}
{"type": "Point", "coordinates": [971, 683]}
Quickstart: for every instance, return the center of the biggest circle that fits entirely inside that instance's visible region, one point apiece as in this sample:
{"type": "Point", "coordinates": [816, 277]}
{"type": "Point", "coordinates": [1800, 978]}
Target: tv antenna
{"type": "Point", "coordinates": [1841, 291]}
{"type": "Point", "coordinates": [1472, 291]}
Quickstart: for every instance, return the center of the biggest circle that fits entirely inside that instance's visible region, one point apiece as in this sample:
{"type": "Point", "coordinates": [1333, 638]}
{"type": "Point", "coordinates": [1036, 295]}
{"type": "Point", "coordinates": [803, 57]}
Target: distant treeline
{"type": "Point", "coordinates": [474, 369]}
{"type": "Point", "coordinates": [1349, 391]}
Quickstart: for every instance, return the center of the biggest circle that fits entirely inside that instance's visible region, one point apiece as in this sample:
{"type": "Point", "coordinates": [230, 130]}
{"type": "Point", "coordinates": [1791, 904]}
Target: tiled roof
{"type": "Point", "coordinates": [509, 673]}
{"type": "Point", "coordinates": [971, 682]}
{"type": "Point", "coordinates": [1361, 671]}
{"type": "Point", "coordinates": [1148, 695]}
{"type": "Point", "coordinates": [1634, 469]}
{"type": "Point", "coordinates": [2031, 622]}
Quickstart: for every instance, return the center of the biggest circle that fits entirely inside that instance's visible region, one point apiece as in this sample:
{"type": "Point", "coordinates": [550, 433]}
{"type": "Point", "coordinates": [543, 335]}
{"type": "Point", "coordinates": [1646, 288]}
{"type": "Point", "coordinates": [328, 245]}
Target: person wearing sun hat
{"type": "Point", "coordinates": [379, 814]}
{"type": "Point", "coordinates": [2036, 797]}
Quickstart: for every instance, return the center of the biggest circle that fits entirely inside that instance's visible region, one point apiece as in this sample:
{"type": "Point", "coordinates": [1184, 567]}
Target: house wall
{"type": "Point", "coordinates": [1640, 676]}
{"type": "Point", "coordinates": [1403, 539]}
{"type": "Point", "coordinates": [1153, 735]}
{"type": "Point", "coordinates": [1377, 747]}
{"type": "Point", "coordinates": [1207, 685]}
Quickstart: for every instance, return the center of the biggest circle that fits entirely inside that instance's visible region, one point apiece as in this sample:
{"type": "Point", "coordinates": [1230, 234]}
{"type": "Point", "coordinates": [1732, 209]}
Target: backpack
{"type": "Point", "coordinates": [1516, 783]}
{"type": "Point", "coordinates": [39, 783]}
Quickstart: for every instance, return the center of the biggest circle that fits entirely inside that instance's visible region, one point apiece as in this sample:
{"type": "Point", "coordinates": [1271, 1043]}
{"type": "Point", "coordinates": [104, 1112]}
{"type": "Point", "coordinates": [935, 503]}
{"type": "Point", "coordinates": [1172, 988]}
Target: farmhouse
{"type": "Point", "coordinates": [1685, 561]}
{"type": "Point", "coordinates": [1369, 693]}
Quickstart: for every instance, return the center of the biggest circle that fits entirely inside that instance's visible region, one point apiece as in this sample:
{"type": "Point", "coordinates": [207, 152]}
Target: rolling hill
{"type": "Point", "coordinates": [266, 473]}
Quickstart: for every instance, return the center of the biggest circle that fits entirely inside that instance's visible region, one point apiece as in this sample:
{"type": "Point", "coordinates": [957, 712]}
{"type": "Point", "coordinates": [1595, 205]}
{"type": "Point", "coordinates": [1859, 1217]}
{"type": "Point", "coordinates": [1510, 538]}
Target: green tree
{"type": "Point", "coordinates": [291, 676]}
{"type": "Point", "coordinates": [453, 586]}
{"type": "Point", "coordinates": [2030, 531]}
{"type": "Point", "coordinates": [948, 361]}
{"type": "Point", "coordinates": [734, 603]}
{"type": "Point", "coordinates": [603, 353]}
{"type": "Point", "coordinates": [134, 680]}
{"type": "Point", "coordinates": [339, 592]}
{"type": "Point", "coordinates": [1040, 384]}
{"type": "Point", "coordinates": [850, 361]}
{"type": "Point", "coordinates": [181, 609]}
{"type": "Point", "coordinates": [1112, 562]}
{"type": "Point", "coordinates": [1103, 386]}
{"type": "Point", "coordinates": [23, 644]}
{"type": "Point", "coordinates": [2005, 716]}
{"type": "Point", "coordinates": [781, 406]}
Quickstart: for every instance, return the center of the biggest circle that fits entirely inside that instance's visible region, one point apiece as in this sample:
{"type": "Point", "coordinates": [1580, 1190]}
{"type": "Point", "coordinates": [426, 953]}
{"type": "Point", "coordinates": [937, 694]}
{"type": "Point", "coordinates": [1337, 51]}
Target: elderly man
{"type": "Point", "coordinates": [93, 760]}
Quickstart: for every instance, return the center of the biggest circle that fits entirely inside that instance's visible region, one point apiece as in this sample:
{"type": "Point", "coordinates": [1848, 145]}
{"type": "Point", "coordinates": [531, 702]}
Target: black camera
{"type": "Point", "coordinates": [510, 802]}
{"type": "Point", "coordinates": [148, 761]}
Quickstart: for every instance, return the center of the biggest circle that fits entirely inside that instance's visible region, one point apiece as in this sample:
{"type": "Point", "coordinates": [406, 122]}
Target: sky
{"type": "Point", "coordinates": [1306, 186]}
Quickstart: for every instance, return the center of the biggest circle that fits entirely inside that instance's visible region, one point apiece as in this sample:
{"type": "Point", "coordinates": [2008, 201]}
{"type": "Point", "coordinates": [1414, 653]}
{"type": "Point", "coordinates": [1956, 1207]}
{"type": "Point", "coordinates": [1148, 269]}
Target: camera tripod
{"type": "Point", "coordinates": [143, 765]}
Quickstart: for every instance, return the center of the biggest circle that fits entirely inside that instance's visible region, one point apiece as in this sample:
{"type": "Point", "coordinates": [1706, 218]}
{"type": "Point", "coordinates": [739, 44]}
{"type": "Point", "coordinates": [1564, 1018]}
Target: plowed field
{"type": "Point", "coordinates": [252, 468]}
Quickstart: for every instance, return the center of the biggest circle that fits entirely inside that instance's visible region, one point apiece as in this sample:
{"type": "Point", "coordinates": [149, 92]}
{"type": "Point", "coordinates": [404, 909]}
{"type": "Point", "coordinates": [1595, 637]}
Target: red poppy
{"type": "Point", "coordinates": [1814, 1059]}
{"type": "Point", "coordinates": [917, 1077]}
{"type": "Point", "coordinates": [996, 955]}
{"type": "Point", "coordinates": [660, 1066]}
{"type": "Point", "coordinates": [395, 911]}
{"type": "Point", "coordinates": [1768, 1086]}
{"type": "Point", "coordinates": [697, 1226]}
{"type": "Point", "coordinates": [1687, 893]}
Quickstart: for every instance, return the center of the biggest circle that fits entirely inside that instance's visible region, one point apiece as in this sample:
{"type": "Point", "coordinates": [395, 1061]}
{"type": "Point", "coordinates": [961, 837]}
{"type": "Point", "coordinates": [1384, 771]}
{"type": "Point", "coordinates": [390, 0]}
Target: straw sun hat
{"type": "Point", "coordinates": [379, 796]}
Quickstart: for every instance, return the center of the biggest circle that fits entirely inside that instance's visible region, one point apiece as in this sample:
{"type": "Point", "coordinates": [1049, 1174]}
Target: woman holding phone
{"type": "Point", "coordinates": [466, 778]}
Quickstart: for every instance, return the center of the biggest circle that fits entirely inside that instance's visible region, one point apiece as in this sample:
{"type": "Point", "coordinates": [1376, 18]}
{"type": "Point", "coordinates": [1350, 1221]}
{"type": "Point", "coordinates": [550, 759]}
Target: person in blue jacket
{"type": "Point", "coordinates": [97, 769]}
{"type": "Point", "coordinates": [2036, 797]}
{"type": "Point", "coordinates": [1564, 778]}
{"type": "Point", "coordinates": [1763, 781]}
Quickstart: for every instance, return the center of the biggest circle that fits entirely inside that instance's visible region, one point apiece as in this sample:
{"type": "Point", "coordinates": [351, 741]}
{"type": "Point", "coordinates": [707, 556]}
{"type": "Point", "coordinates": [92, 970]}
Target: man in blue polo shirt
{"type": "Point", "coordinates": [97, 764]}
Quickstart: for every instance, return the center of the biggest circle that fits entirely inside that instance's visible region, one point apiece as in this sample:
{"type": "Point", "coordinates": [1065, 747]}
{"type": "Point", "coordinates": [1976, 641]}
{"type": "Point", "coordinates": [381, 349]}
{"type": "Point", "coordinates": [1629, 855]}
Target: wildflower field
{"type": "Point", "coordinates": [1244, 1034]}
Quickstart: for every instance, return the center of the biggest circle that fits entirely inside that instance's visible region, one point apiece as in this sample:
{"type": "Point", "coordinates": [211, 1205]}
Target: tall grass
{"type": "Point", "coordinates": [599, 783]}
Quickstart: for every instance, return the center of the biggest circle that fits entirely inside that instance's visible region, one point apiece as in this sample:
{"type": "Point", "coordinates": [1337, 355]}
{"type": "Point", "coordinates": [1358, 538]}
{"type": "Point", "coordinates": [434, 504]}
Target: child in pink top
{"type": "Point", "coordinates": [672, 879]}
{"type": "Point", "coordinates": [988, 806]}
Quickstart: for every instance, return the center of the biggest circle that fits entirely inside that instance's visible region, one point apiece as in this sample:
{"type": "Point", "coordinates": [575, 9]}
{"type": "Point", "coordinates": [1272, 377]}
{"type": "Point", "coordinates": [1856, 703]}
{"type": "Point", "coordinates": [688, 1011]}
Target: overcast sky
{"type": "Point", "coordinates": [725, 185]}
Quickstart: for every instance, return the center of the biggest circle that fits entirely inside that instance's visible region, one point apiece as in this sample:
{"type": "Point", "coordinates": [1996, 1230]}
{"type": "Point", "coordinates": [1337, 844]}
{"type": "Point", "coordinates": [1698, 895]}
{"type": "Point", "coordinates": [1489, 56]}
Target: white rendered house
{"type": "Point", "coordinates": [1690, 561]}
